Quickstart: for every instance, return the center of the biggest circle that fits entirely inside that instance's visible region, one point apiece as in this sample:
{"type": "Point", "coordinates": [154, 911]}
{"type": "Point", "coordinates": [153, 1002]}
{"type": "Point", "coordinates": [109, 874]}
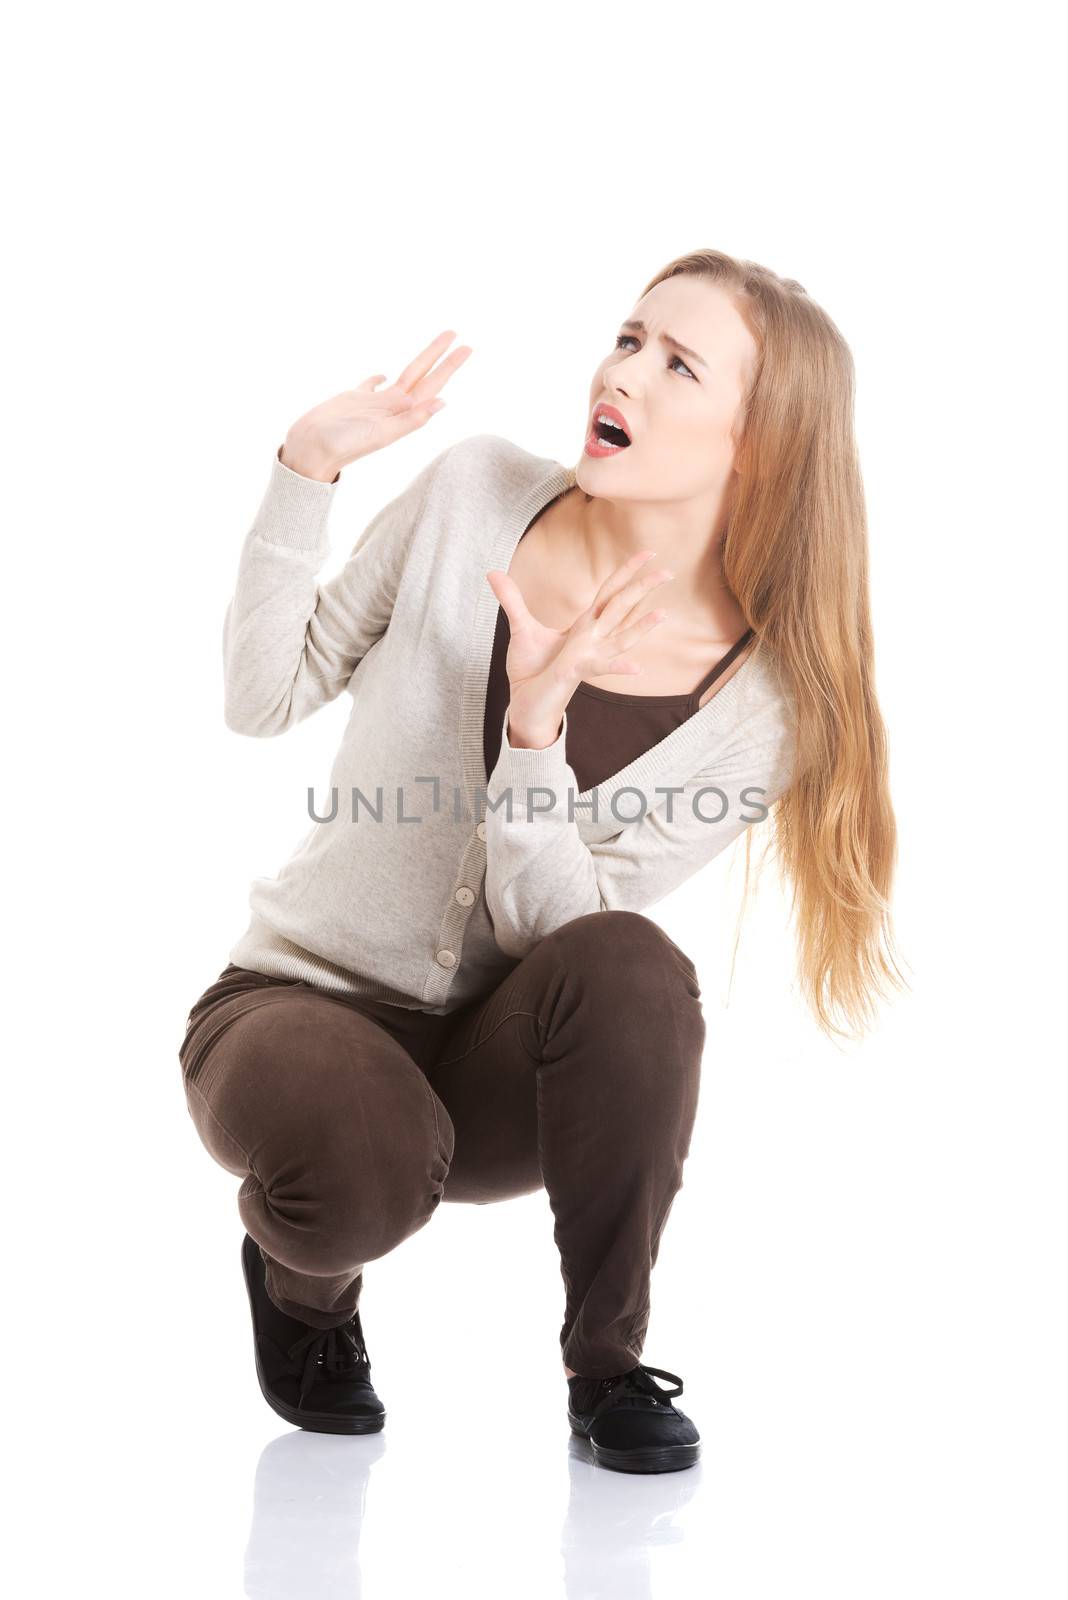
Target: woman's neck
{"type": "Point", "coordinates": [607, 537]}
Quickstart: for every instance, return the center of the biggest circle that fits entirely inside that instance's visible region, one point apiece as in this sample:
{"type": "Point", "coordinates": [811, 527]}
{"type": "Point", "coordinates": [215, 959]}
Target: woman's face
{"type": "Point", "coordinates": [679, 408]}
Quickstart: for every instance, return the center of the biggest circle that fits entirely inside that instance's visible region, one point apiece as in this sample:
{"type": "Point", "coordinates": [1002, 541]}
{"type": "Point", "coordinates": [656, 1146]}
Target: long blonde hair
{"type": "Point", "coordinates": [795, 556]}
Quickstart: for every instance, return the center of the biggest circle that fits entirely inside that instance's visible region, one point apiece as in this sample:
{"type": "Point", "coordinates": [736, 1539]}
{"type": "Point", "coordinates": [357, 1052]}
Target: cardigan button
{"type": "Point", "coordinates": [446, 958]}
{"type": "Point", "coordinates": [481, 830]}
{"type": "Point", "coordinates": [464, 896]}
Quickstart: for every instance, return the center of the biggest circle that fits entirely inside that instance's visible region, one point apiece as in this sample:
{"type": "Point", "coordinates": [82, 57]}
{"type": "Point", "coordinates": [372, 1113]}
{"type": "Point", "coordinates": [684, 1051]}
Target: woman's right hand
{"type": "Point", "coordinates": [358, 421]}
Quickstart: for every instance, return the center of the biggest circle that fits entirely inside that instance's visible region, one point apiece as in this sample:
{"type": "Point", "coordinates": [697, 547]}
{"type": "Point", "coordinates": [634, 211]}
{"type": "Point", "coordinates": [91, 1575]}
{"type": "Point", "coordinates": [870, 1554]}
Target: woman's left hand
{"type": "Point", "coordinates": [544, 665]}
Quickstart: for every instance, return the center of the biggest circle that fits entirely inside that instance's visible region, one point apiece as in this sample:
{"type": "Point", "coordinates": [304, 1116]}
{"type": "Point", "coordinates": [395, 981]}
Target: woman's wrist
{"type": "Point", "coordinates": [307, 463]}
{"type": "Point", "coordinates": [521, 738]}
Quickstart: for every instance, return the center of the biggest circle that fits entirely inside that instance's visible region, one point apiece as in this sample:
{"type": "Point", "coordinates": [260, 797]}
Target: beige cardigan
{"type": "Point", "coordinates": [420, 889]}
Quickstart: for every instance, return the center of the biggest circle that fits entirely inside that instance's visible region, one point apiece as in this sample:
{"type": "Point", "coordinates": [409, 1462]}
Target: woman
{"type": "Point", "coordinates": [431, 1003]}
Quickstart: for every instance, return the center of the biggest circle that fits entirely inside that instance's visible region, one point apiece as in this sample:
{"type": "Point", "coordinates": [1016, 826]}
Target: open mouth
{"type": "Point", "coordinates": [609, 432]}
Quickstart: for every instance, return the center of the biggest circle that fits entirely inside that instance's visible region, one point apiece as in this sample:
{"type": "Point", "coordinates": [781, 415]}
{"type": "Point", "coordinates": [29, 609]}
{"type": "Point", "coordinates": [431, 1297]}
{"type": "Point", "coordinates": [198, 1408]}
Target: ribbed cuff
{"type": "Point", "coordinates": [295, 509]}
{"type": "Point", "coordinates": [537, 766]}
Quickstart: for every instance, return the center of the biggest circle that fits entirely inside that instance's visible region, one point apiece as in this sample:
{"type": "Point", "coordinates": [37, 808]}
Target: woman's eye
{"type": "Point", "coordinates": [625, 337]}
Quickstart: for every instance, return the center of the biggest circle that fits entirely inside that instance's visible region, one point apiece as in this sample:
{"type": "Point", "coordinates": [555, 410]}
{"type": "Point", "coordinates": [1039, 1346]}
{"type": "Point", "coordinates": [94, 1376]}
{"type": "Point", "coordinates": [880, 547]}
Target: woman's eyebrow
{"type": "Point", "coordinates": [667, 338]}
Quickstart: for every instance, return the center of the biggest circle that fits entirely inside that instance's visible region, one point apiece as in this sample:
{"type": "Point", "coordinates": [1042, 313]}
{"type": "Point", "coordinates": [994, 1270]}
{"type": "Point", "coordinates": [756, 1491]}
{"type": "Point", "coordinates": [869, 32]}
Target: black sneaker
{"type": "Point", "coordinates": [630, 1422]}
{"type": "Point", "coordinates": [317, 1378]}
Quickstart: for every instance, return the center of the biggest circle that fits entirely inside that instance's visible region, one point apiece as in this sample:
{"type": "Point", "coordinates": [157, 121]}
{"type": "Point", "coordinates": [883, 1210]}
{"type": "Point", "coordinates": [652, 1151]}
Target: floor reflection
{"type": "Point", "coordinates": [307, 1515]}
{"type": "Point", "coordinates": [310, 1496]}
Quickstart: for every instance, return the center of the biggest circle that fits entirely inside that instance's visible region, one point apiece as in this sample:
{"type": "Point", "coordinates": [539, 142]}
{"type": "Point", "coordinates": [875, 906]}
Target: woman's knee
{"type": "Point", "coordinates": [346, 1146]}
{"type": "Point", "coordinates": [626, 949]}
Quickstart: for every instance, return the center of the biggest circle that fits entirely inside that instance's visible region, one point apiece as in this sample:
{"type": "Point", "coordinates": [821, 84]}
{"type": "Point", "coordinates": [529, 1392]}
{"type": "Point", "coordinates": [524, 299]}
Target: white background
{"type": "Point", "coordinates": [218, 216]}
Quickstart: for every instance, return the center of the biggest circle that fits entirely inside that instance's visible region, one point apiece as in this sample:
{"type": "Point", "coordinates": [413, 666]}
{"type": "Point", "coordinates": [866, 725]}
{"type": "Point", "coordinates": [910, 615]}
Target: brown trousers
{"type": "Point", "coordinates": [350, 1119]}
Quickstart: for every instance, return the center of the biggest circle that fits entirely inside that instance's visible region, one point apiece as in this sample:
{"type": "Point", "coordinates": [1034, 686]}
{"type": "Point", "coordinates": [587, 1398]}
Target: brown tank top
{"type": "Point", "coordinates": [606, 729]}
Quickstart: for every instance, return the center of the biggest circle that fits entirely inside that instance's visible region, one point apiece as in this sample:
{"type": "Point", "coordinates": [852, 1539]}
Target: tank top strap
{"type": "Point", "coordinates": [721, 666]}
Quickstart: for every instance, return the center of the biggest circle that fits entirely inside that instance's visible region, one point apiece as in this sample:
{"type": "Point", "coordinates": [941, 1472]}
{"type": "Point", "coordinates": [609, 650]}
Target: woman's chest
{"type": "Point", "coordinates": [673, 659]}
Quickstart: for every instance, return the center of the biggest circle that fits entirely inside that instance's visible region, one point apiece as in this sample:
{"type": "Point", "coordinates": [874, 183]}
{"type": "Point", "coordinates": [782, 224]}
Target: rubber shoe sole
{"type": "Point", "coordinates": [314, 1421]}
{"type": "Point", "coordinates": [651, 1458]}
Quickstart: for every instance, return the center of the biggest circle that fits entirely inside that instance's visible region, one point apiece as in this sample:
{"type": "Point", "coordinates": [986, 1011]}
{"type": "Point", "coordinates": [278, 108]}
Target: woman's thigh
{"type": "Point", "coordinates": [596, 1033]}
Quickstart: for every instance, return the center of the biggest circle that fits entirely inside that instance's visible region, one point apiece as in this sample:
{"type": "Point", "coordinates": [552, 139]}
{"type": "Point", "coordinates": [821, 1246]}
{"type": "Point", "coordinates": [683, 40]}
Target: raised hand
{"type": "Point", "coordinates": [544, 665]}
{"type": "Point", "coordinates": [358, 421]}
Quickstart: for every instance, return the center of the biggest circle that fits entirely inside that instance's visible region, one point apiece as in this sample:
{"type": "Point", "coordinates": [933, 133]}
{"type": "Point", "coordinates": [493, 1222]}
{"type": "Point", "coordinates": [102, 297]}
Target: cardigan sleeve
{"type": "Point", "coordinates": [290, 644]}
{"type": "Point", "coordinates": [540, 872]}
